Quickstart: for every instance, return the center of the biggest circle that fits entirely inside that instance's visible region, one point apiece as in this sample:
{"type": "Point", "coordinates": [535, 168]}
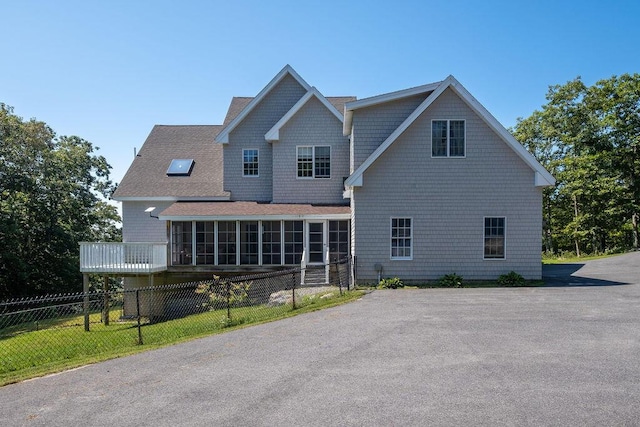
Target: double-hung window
{"type": "Point", "coordinates": [250, 162]}
{"type": "Point", "coordinates": [494, 238]}
{"type": "Point", "coordinates": [314, 161]}
{"type": "Point", "coordinates": [447, 138]}
{"type": "Point", "coordinates": [401, 238]}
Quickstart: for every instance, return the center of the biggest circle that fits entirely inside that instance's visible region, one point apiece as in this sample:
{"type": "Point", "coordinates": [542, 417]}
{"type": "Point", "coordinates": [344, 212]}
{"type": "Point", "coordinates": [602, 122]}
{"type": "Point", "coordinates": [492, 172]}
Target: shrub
{"type": "Point", "coordinates": [391, 283]}
{"type": "Point", "coordinates": [450, 281]}
{"type": "Point", "coordinates": [511, 279]}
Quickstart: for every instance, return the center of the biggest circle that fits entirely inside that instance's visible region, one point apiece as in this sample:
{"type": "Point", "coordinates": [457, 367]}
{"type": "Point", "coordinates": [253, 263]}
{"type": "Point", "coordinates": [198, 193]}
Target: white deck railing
{"type": "Point", "coordinates": [111, 257]}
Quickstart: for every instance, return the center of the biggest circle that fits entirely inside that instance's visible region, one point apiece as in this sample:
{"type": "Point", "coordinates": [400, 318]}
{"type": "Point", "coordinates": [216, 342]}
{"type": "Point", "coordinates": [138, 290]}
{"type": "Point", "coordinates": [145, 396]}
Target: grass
{"type": "Point", "coordinates": [61, 345]}
{"type": "Point", "coordinates": [569, 258]}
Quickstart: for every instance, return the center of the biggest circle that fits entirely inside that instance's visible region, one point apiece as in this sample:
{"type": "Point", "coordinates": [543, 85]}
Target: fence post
{"type": "Point", "coordinates": [105, 310]}
{"type": "Point", "coordinates": [338, 273]}
{"type": "Point", "coordinates": [293, 290]}
{"type": "Point", "coordinates": [228, 284]}
{"type": "Point", "coordinates": [138, 315]}
{"type": "Point", "coordinates": [85, 302]}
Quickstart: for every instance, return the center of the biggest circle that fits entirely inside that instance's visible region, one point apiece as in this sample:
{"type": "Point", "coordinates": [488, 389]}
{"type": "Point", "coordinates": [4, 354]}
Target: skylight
{"type": "Point", "coordinates": [180, 167]}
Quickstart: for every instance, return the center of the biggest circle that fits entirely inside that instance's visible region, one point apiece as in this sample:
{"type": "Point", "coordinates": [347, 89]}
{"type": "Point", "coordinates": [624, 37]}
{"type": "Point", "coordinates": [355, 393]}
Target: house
{"type": "Point", "coordinates": [417, 184]}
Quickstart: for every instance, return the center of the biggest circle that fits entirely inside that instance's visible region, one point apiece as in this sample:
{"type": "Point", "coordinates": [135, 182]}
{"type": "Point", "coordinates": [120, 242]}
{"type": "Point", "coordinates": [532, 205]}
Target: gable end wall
{"type": "Point", "coordinates": [249, 134]}
{"type": "Point", "coordinates": [448, 198]}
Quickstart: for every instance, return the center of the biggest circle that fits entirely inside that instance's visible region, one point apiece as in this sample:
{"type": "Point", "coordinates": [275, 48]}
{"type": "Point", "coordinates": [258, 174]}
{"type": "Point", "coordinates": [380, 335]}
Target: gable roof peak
{"type": "Point", "coordinates": [287, 70]}
{"type": "Point", "coordinates": [542, 177]}
{"type": "Point", "coordinates": [274, 133]}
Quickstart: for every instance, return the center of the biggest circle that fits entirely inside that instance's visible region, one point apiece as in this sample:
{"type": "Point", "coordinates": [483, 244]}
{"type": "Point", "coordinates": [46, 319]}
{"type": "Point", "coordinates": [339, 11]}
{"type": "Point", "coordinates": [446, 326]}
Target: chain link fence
{"type": "Point", "coordinates": [40, 332]}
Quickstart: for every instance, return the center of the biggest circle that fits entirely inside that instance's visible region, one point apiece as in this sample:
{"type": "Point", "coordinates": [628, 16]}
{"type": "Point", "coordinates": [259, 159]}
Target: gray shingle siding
{"type": "Point", "coordinates": [138, 226]}
{"type": "Point", "coordinates": [372, 125]}
{"type": "Point", "coordinates": [312, 125]}
{"type": "Point", "coordinates": [448, 198]}
{"type": "Point", "coordinates": [249, 134]}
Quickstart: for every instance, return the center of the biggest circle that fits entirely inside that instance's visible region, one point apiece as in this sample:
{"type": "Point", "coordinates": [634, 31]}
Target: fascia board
{"type": "Point", "coordinates": [252, 217]}
{"type": "Point", "coordinates": [223, 136]}
{"type": "Point", "coordinates": [274, 133]}
{"type": "Point", "coordinates": [170, 199]}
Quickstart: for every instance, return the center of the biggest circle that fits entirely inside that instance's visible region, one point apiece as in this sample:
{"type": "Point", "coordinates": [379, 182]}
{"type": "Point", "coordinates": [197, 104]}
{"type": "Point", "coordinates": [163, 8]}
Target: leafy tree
{"type": "Point", "coordinates": [589, 137]}
{"type": "Point", "coordinates": [53, 191]}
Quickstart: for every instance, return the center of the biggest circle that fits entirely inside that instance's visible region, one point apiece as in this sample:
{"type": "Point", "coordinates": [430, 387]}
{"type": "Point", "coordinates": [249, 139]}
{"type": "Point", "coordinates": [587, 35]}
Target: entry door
{"type": "Point", "coordinates": [315, 239]}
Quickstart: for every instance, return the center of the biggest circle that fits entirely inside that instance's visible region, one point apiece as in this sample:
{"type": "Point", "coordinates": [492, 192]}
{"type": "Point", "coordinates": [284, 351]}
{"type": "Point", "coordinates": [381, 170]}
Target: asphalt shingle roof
{"type": "Point", "coordinates": [147, 175]}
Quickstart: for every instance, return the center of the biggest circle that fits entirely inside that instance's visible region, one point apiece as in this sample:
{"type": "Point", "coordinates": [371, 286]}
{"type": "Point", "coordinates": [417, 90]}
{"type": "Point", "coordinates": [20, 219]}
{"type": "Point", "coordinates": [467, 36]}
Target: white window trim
{"type": "Point", "coordinates": [258, 153]}
{"type": "Point", "coordinates": [313, 162]}
{"type": "Point", "coordinates": [448, 139]}
{"type": "Point", "coordinates": [505, 239]}
{"type": "Point", "coordinates": [397, 258]}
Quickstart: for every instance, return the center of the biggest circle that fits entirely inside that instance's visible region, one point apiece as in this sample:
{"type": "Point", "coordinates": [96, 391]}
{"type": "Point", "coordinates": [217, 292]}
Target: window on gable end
{"type": "Point", "coordinates": [494, 238]}
{"type": "Point", "coordinates": [401, 239]}
{"type": "Point", "coordinates": [448, 138]}
{"type": "Point", "coordinates": [250, 163]}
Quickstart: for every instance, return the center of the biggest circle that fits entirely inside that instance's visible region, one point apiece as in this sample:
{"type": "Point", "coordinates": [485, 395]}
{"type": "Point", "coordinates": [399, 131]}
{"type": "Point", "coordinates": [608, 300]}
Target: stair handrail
{"type": "Point", "coordinates": [303, 266]}
{"type": "Point", "coordinates": [327, 264]}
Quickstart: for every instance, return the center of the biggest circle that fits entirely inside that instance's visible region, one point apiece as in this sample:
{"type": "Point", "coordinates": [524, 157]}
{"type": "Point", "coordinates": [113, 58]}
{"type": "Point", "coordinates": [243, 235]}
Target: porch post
{"type": "Point", "coordinates": [85, 304]}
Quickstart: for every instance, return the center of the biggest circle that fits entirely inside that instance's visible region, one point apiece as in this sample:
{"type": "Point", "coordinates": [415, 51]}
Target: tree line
{"type": "Point", "coordinates": [588, 137]}
{"type": "Point", "coordinates": [53, 192]}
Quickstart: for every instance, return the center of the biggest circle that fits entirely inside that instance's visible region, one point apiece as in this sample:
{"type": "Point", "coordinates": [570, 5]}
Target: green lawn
{"type": "Point", "coordinates": [61, 345]}
{"type": "Point", "coordinates": [572, 258]}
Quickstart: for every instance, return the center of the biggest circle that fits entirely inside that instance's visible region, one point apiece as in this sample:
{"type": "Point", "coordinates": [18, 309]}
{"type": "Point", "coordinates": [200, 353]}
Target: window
{"type": "Point", "coordinates": [271, 245]}
{"type": "Point", "coordinates": [248, 242]}
{"type": "Point", "coordinates": [181, 243]}
{"type": "Point", "coordinates": [494, 232]}
{"type": "Point", "coordinates": [338, 240]}
{"type": "Point", "coordinates": [314, 162]}
{"type": "Point", "coordinates": [227, 242]}
{"type": "Point", "coordinates": [180, 167]}
{"type": "Point", "coordinates": [401, 238]}
{"type": "Point", "coordinates": [204, 243]}
{"type": "Point", "coordinates": [293, 241]}
{"type": "Point", "coordinates": [249, 162]}
{"type": "Point", "coordinates": [447, 138]}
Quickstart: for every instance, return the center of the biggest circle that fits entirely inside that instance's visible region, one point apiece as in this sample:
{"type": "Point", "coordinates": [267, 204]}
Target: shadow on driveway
{"type": "Point", "coordinates": [568, 275]}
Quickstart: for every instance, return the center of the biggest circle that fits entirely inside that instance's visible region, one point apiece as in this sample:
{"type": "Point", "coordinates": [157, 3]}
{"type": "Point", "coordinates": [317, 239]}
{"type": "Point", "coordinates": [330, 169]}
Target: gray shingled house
{"type": "Point", "coordinates": [416, 184]}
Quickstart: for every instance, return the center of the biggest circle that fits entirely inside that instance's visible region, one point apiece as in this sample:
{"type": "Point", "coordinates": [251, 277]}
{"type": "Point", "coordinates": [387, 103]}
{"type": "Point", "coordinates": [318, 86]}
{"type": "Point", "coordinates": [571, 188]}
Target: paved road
{"type": "Point", "coordinates": [566, 354]}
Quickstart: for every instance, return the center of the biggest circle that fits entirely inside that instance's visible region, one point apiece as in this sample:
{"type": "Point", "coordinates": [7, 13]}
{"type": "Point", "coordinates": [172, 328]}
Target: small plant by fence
{"type": "Point", "coordinates": [41, 332]}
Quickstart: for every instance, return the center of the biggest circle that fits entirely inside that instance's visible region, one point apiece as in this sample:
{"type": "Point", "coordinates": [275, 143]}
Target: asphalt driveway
{"type": "Point", "coordinates": [565, 354]}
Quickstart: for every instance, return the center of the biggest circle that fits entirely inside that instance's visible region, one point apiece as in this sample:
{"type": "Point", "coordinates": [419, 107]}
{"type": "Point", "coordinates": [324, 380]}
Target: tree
{"type": "Point", "coordinates": [53, 191]}
{"type": "Point", "coordinates": [588, 137]}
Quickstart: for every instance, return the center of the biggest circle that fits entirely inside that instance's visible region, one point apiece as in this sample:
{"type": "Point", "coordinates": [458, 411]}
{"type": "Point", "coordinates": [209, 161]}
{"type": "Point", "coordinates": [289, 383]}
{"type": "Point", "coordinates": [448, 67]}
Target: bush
{"type": "Point", "coordinates": [393, 283]}
{"type": "Point", "coordinates": [511, 279]}
{"type": "Point", "coordinates": [450, 281]}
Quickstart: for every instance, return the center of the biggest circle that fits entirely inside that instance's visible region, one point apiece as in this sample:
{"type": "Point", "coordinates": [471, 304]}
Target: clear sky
{"type": "Point", "coordinates": [108, 71]}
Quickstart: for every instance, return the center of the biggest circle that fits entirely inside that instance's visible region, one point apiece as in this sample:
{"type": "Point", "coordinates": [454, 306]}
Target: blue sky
{"type": "Point", "coordinates": [108, 71]}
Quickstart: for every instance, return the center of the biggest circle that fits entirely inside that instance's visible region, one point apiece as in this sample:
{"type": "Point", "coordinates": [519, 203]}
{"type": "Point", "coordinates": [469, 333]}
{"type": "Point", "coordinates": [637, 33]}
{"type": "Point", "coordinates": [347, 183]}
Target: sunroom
{"type": "Point", "coordinates": [251, 236]}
